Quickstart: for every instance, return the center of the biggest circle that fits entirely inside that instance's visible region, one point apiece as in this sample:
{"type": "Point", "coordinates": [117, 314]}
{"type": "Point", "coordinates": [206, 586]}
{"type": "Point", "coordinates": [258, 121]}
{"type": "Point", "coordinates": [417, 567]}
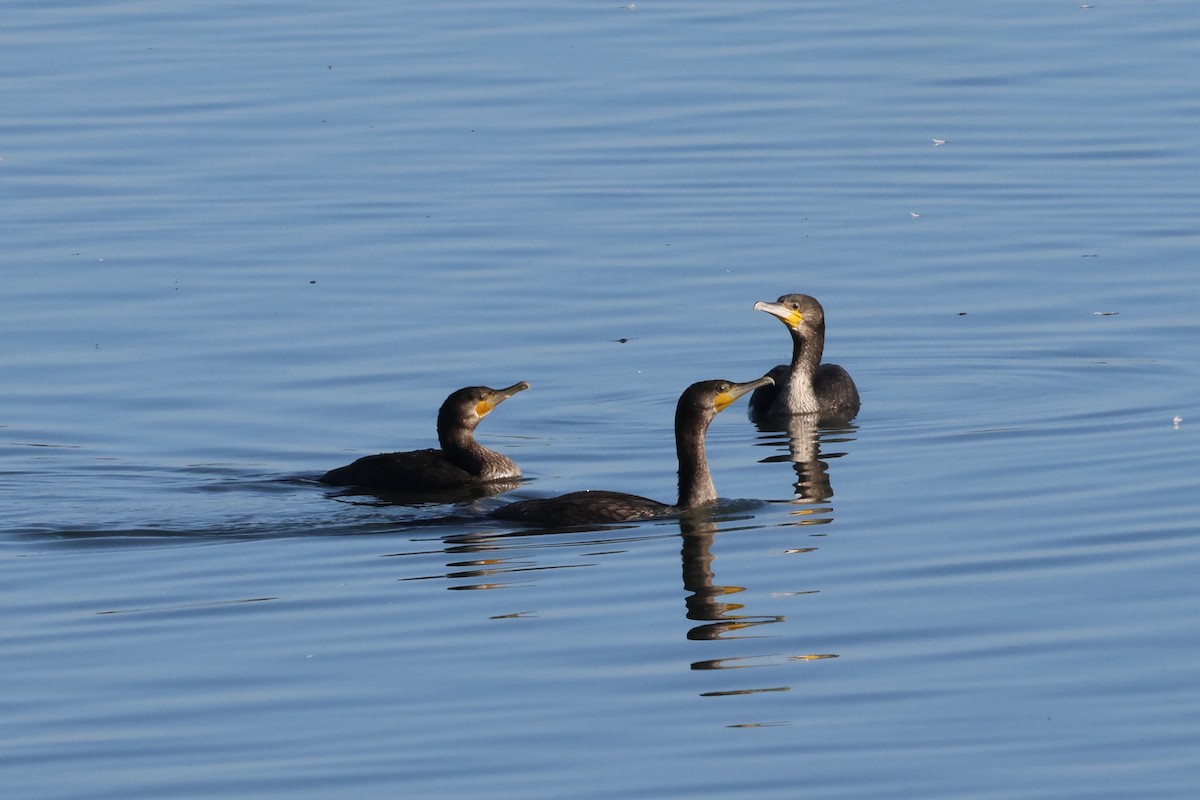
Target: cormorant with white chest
{"type": "Point", "coordinates": [460, 462]}
{"type": "Point", "coordinates": [806, 386]}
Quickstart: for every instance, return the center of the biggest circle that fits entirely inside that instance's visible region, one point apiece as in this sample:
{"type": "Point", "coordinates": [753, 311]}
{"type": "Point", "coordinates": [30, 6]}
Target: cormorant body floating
{"type": "Point", "coordinates": [696, 408]}
{"type": "Point", "coordinates": [806, 386]}
{"type": "Point", "coordinates": [461, 461]}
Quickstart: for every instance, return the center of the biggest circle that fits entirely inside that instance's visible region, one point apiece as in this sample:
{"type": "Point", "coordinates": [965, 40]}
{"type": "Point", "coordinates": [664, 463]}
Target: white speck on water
{"type": "Point", "coordinates": [1178, 419]}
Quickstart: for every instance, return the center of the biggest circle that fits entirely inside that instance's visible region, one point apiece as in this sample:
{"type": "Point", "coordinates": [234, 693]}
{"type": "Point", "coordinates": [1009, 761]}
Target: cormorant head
{"type": "Point", "coordinates": [800, 312]}
{"type": "Point", "coordinates": [704, 400]}
{"type": "Point", "coordinates": [470, 405]}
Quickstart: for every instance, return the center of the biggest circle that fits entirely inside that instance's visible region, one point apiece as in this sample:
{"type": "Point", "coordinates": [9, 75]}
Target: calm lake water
{"type": "Point", "coordinates": [243, 244]}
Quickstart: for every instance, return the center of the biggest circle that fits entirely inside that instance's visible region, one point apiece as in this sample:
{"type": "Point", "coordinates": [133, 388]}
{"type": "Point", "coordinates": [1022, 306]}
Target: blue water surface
{"type": "Point", "coordinates": [244, 244]}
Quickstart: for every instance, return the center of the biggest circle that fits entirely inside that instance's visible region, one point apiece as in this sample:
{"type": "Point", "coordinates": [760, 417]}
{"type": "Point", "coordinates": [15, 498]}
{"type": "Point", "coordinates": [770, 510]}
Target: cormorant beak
{"type": "Point", "coordinates": [483, 407]}
{"type": "Point", "coordinates": [788, 316]}
{"type": "Point", "coordinates": [736, 390]}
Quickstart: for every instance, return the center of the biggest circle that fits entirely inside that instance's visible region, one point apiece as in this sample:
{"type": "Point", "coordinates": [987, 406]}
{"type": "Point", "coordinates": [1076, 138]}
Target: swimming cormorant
{"type": "Point", "coordinates": [461, 461]}
{"type": "Point", "coordinates": [806, 386]}
{"type": "Point", "coordinates": [696, 408]}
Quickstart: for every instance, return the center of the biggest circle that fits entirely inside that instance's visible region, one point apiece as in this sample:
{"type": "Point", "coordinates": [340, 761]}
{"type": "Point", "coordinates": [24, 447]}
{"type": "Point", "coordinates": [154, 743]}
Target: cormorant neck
{"type": "Point", "coordinates": [799, 396]}
{"type": "Point", "coordinates": [695, 483]}
{"type": "Point", "coordinates": [461, 449]}
{"type": "Point", "coordinates": [458, 442]}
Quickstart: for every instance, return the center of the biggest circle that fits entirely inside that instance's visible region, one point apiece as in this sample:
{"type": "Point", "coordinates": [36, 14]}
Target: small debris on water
{"type": "Point", "coordinates": [940, 142]}
{"type": "Point", "coordinates": [1105, 313]}
{"type": "Point", "coordinates": [1178, 419]}
{"type": "Point", "coordinates": [515, 615]}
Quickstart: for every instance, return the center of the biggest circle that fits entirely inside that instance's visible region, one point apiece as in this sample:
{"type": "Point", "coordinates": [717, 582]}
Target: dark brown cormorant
{"type": "Point", "coordinates": [462, 461]}
{"type": "Point", "coordinates": [806, 386]}
{"type": "Point", "coordinates": [696, 408]}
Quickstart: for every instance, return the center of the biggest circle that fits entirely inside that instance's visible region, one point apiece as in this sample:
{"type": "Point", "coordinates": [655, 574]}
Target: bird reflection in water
{"type": "Point", "coordinates": [803, 436]}
{"type": "Point", "coordinates": [707, 601]}
{"type": "Point", "coordinates": [484, 559]}
{"type": "Point", "coordinates": [424, 499]}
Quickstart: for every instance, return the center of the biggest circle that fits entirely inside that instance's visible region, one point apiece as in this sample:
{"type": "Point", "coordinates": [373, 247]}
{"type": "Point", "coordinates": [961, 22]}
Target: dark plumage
{"type": "Point", "coordinates": [806, 386]}
{"type": "Point", "coordinates": [696, 408]}
{"type": "Point", "coordinates": [461, 461]}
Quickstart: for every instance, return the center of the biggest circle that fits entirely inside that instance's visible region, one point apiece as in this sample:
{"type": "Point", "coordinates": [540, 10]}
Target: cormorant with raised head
{"type": "Point", "coordinates": [806, 386]}
{"type": "Point", "coordinates": [461, 461]}
{"type": "Point", "coordinates": [696, 408]}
